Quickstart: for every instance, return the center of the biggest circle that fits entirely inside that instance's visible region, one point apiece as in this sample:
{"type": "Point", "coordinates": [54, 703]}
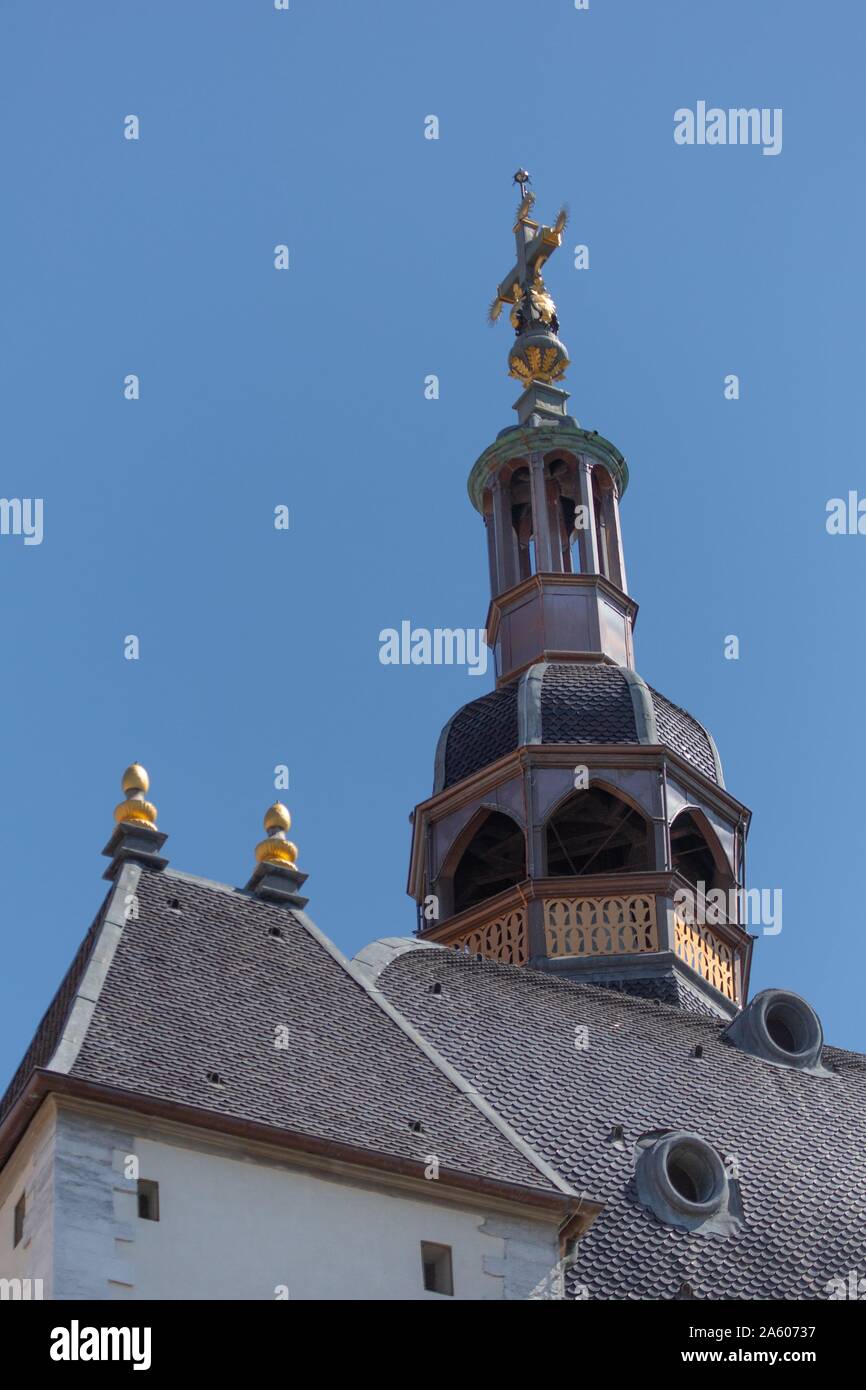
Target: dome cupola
{"type": "Point", "coordinates": [579, 820]}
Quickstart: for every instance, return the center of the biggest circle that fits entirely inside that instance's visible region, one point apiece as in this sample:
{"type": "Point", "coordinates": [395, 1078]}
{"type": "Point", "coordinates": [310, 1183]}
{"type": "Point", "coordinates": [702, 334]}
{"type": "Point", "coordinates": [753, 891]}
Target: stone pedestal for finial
{"type": "Point", "coordinates": [140, 843]}
{"type": "Point", "coordinates": [542, 404]}
{"type": "Point", "coordinates": [278, 883]}
{"type": "Point", "coordinates": [136, 835]}
{"type": "Point", "coordinates": [276, 877]}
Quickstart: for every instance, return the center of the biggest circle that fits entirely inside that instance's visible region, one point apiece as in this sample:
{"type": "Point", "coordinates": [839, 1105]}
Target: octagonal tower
{"type": "Point", "coordinates": [579, 821]}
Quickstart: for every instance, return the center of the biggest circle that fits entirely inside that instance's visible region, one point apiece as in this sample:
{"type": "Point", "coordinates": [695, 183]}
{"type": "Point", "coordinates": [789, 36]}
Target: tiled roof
{"type": "Point", "coordinates": [798, 1140]}
{"type": "Point", "coordinates": [44, 1042]}
{"type": "Point", "coordinates": [481, 732]}
{"type": "Point", "coordinates": [203, 988]}
{"type": "Point", "coordinates": [581, 702]}
{"type": "Point", "coordinates": [681, 732]}
{"type": "Point", "coordinates": [586, 702]}
{"type": "Point", "coordinates": [670, 988]}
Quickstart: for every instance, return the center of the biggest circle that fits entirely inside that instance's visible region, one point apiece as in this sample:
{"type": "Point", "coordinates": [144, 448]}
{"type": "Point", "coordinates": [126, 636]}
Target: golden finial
{"type": "Point", "coordinates": [537, 355]}
{"type": "Point", "coordinates": [135, 779]}
{"type": "Point", "coordinates": [277, 817]}
{"type": "Point", "coordinates": [276, 849]}
{"type": "Point", "coordinates": [135, 810]}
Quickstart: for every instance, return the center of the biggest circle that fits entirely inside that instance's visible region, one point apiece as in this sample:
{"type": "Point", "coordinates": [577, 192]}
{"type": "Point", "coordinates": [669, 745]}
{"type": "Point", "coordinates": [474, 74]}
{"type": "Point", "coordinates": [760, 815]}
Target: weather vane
{"type": "Point", "coordinates": [537, 354]}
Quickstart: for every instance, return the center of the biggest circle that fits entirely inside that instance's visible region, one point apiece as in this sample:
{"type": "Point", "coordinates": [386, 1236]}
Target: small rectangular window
{"type": "Point", "coordinates": [20, 1208]}
{"type": "Point", "coordinates": [436, 1264]}
{"type": "Point", "coordinates": [148, 1200]}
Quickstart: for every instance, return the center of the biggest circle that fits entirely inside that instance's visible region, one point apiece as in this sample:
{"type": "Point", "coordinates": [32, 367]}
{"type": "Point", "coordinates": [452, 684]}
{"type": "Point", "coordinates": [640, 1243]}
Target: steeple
{"type": "Point", "coordinates": [574, 806]}
{"type": "Point", "coordinates": [549, 492]}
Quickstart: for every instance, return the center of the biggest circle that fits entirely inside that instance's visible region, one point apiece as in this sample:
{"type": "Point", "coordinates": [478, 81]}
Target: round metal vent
{"type": "Point", "coordinates": [779, 1027]}
{"type": "Point", "coordinates": [683, 1179]}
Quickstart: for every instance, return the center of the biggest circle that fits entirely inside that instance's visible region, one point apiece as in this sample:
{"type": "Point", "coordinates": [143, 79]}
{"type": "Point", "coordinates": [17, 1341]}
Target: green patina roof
{"type": "Point", "coordinates": [530, 439]}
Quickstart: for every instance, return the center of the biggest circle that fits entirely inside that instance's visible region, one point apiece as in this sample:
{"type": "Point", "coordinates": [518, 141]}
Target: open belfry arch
{"type": "Point", "coordinates": [489, 858]}
{"type": "Point", "coordinates": [573, 803]}
{"type": "Point", "coordinates": [595, 831]}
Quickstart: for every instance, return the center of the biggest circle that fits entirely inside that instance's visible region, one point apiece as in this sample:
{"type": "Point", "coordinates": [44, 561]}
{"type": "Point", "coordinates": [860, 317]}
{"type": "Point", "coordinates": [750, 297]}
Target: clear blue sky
{"type": "Point", "coordinates": [306, 388]}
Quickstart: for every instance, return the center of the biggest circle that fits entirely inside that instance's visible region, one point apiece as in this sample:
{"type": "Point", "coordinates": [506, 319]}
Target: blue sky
{"type": "Point", "coordinates": [306, 388]}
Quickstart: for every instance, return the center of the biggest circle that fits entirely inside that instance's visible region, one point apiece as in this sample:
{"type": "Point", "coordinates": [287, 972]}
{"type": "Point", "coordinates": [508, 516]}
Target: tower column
{"type": "Point", "coordinates": [555, 522]}
{"type": "Point", "coordinates": [505, 540]}
{"type": "Point", "coordinates": [602, 539]}
{"type": "Point", "coordinates": [490, 529]}
{"type": "Point", "coordinates": [588, 540]}
{"type": "Point", "coordinates": [610, 509]}
{"type": "Point", "coordinates": [544, 561]}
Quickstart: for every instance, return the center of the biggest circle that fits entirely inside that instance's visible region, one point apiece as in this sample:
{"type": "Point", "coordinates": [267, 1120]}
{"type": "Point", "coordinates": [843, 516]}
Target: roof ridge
{"type": "Point", "coordinates": [93, 976]}
{"type": "Point", "coordinates": [457, 1079]}
{"type": "Point", "coordinates": [681, 709]}
{"type": "Point", "coordinates": [555, 981]}
{"type": "Point", "coordinates": [62, 1001]}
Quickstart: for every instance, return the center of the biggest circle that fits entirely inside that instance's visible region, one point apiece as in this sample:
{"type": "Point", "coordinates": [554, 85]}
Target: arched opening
{"type": "Point", "coordinates": [692, 856]}
{"type": "Point", "coordinates": [594, 832]}
{"type": "Point", "coordinates": [543, 521]}
{"type": "Point", "coordinates": [601, 500]}
{"type": "Point", "coordinates": [521, 520]}
{"type": "Point", "coordinates": [565, 503]}
{"type": "Point", "coordinates": [493, 860]}
{"type": "Point", "coordinates": [606, 513]}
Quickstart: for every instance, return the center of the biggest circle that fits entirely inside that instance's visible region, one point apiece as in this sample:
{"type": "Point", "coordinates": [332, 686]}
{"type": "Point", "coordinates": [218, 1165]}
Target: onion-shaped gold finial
{"type": "Point", "coordinates": [277, 817]}
{"type": "Point", "coordinates": [276, 849]}
{"type": "Point", "coordinates": [135, 810]}
{"type": "Point", "coordinates": [135, 779]}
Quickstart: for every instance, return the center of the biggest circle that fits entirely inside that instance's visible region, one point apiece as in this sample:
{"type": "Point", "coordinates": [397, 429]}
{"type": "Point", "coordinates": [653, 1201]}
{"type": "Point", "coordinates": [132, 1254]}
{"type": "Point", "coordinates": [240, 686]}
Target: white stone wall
{"type": "Point", "coordinates": [30, 1170]}
{"type": "Point", "coordinates": [238, 1221]}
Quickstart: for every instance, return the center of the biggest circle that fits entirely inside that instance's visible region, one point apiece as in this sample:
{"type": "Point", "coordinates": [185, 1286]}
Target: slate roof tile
{"type": "Point", "coordinates": [581, 702]}
{"type": "Point", "coordinates": [481, 732]}
{"type": "Point", "coordinates": [204, 989]}
{"type": "Point", "coordinates": [586, 702]}
{"type": "Point", "coordinates": [799, 1139]}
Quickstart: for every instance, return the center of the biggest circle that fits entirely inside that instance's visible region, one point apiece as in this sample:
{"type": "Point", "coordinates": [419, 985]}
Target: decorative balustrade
{"type": "Point", "coordinates": [705, 951]}
{"type": "Point", "coordinates": [504, 939]}
{"type": "Point", "coordinates": [622, 924]}
{"type": "Point", "coordinates": [607, 926]}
